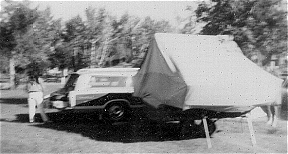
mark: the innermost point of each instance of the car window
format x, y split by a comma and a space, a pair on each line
70, 84
107, 81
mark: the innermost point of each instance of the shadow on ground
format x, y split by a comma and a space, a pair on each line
13, 101
138, 129
88, 125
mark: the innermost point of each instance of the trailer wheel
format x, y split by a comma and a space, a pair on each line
116, 111
196, 130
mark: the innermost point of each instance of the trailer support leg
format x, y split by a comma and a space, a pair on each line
252, 135
207, 133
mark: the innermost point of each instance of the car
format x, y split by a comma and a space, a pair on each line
52, 78
4, 81
283, 75
4, 85
108, 91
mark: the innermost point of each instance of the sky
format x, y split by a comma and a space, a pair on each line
157, 10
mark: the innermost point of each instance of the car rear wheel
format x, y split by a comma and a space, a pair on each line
117, 111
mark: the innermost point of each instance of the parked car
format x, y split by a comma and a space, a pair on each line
283, 75
52, 78
4, 82
4, 85
107, 90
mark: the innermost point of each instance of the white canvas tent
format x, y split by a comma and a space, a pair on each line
201, 71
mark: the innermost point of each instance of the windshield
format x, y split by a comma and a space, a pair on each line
70, 84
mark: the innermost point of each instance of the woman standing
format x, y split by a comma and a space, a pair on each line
35, 97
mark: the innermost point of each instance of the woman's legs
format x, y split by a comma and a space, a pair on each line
36, 98
32, 108
40, 106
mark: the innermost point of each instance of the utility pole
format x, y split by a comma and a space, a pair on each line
74, 59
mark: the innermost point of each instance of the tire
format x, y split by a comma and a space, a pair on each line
191, 129
116, 111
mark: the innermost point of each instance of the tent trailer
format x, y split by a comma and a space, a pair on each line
194, 77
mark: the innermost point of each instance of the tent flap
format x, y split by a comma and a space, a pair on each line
157, 84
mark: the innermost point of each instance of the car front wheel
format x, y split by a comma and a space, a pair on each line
116, 111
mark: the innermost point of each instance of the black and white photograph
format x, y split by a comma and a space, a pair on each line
198, 76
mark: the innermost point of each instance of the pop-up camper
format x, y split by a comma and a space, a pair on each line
205, 73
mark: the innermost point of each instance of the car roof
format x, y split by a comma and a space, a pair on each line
107, 71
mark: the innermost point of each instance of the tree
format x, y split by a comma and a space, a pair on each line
257, 26
75, 38
146, 29
35, 44
27, 36
187, 25
96, 21
143, 33
119, 40
271, 32
60, 57
17, 18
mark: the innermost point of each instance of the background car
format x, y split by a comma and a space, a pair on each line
4, 81
51, 78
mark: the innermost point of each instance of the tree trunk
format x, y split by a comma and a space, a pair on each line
267, 60
93, 55
129, 55
12, 72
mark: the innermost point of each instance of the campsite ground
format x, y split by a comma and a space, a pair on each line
82, 132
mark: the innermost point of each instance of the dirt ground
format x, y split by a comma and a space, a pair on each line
73, 132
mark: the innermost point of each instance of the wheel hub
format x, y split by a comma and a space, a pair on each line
116, 112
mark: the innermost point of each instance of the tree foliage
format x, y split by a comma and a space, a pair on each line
26, 34
258, 26
33, 38
17, 19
